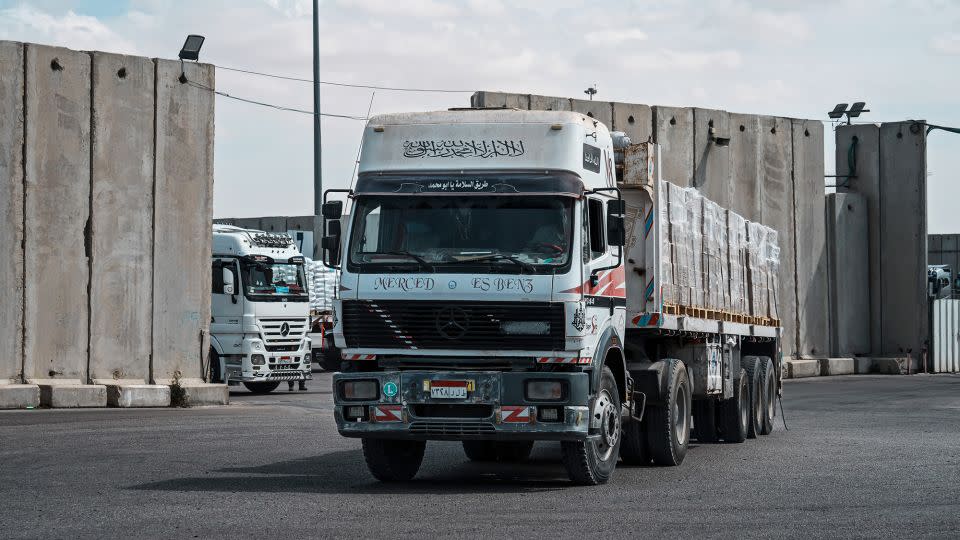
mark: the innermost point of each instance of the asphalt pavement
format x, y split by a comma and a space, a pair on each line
864, 456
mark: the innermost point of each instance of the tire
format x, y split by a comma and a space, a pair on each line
331, 358
261, 387
768, 387
392, 460
215, 371
669, 433
504, 452
592, 462
751, 364
633, 449
705, 421
735, 412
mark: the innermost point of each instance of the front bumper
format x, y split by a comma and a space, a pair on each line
495, 409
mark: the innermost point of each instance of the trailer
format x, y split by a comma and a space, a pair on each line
510, 276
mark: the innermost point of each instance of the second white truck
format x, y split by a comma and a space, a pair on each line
260, 310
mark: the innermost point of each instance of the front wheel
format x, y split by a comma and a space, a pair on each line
392, 460
592, 462
261, 387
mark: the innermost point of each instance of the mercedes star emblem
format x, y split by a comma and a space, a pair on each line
452, 322
284, 329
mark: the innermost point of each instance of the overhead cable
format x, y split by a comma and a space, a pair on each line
348, 85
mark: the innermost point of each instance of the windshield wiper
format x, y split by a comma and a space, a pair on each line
497, 257
420, 260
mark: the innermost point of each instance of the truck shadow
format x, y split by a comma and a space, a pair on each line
344, 472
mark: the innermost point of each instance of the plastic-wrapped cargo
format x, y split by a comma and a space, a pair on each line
322, 282
715, 256
772, 256
737, 257
695, 232
677, 292
757, 269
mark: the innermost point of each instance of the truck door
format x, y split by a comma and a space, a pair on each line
226, 307
607, 289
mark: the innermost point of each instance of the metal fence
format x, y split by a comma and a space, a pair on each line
945, 333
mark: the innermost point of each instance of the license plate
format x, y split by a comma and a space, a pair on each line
448, 389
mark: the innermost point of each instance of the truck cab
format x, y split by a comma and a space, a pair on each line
260, 310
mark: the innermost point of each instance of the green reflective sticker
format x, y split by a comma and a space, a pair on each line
389, 389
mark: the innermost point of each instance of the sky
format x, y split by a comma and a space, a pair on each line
774, 57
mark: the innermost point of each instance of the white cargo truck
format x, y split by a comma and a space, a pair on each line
514, 276
260, 312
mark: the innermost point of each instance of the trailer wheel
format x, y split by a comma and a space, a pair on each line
735, 412
592, 462
633, 449
768, 382
705, 421
751, 364
331, 358
261, 387
503, 451
392, 460
670, 422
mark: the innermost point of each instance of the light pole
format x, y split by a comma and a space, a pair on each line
317, 174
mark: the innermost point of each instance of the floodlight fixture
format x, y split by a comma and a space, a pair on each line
856, 109
838, 111
191, 47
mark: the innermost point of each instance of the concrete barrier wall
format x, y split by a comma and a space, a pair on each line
848, 273
890, 173
903, 229
121, 277
57, 212
184, 210
810, 234
771, 171
11, 212
97, 191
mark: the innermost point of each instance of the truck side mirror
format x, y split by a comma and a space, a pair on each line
229, 285
616, 208
616, 233
331, 243
332, 209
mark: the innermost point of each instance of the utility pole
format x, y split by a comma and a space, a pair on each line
317, 175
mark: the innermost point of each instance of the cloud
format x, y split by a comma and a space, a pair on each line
946, 44
674, 60
614, 37
69, 30
411, 8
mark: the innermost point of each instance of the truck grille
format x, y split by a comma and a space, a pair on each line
452, 428
280, 338
397, 324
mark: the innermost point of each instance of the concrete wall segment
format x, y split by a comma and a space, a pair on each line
810, 238
903, 232
121, 279
57, 195
673, 131
11, 212
777, 212
183, 213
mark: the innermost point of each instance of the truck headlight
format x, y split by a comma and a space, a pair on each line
363, 390
257, 360
545, 390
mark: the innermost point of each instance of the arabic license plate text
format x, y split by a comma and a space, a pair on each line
448, 389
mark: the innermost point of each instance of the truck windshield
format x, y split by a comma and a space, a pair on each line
273, 281
425, 233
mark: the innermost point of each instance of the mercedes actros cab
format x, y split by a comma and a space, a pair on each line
260, 312
499, 286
